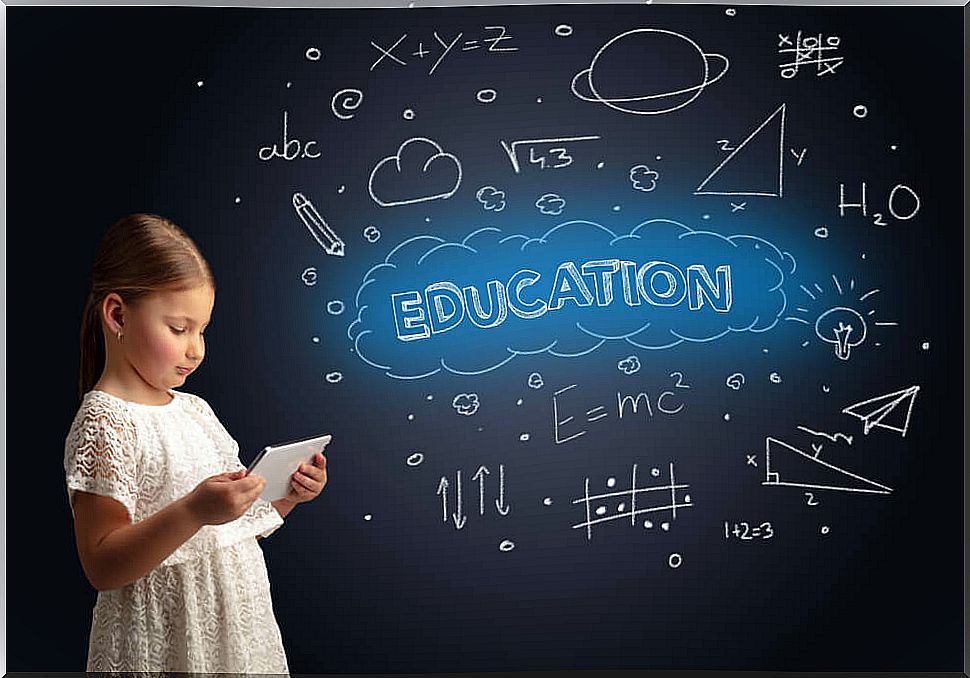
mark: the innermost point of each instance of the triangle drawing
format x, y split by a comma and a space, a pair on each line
876, 412
811, 472
752, 163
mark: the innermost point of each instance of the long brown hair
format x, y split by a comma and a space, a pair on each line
138, 255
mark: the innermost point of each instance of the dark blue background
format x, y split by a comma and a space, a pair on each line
105, 118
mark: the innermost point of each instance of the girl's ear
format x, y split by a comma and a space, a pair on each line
113, 313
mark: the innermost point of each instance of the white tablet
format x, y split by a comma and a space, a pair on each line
277, 463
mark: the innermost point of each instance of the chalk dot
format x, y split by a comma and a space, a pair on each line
313, 54
863, 255
926, 346
621, 508
519, 401
316, 340
730, 11
415, 459
538, 100
775, 378
825, 388
706, 216
727, 416
547, 501
481, 428
675, 560
238, 200
860, 111
289, 84
686, 498
334, 377
341, 189
659, 157
601, 511
486, 96
410, 417
647, 524
368, 517
506, 546
764, 350
427, 220
893, 147
198, 84
600, 165
429, 397
564, 30
665, 527
655, 472
524, 437
825, 529
408, 114
611, 482
804, 344
616, 208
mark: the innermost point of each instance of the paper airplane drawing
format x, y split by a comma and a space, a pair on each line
812, 472
876, 412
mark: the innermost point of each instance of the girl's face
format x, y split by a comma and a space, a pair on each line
163, 339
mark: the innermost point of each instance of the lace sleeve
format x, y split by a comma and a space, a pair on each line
99, 456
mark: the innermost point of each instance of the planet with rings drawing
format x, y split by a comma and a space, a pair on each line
648, 71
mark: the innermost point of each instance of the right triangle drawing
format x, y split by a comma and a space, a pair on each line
751, 167
811, 472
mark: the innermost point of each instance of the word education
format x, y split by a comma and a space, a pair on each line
444, 305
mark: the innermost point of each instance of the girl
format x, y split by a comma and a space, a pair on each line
165, 516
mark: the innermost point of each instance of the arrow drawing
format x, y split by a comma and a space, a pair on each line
443, 491
458, 517
480, 477
500, 502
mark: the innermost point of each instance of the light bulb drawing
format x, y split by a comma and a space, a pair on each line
843, 327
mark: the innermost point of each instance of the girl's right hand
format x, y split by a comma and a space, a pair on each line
221, 498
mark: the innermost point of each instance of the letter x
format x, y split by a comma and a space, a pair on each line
387, 52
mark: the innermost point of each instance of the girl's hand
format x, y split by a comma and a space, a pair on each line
308, 480
224, 497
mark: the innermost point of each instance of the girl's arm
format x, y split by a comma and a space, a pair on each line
115, 552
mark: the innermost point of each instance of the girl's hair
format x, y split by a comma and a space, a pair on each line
138, 255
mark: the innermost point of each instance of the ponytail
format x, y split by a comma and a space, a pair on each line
92, 346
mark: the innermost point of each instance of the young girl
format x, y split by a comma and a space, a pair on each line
165, 517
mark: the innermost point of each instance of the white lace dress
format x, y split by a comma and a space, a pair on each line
207, 607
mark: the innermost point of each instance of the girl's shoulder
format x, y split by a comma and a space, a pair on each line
102, 415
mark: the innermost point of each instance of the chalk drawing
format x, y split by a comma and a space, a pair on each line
640, 50
875, 412
319, 229
554, 157
668, 490
778, 186
391, 166
843, 480
344, 101
808, 51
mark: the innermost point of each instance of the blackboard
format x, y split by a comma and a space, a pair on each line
637, 327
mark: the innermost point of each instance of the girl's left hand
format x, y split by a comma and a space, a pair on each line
308, 480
